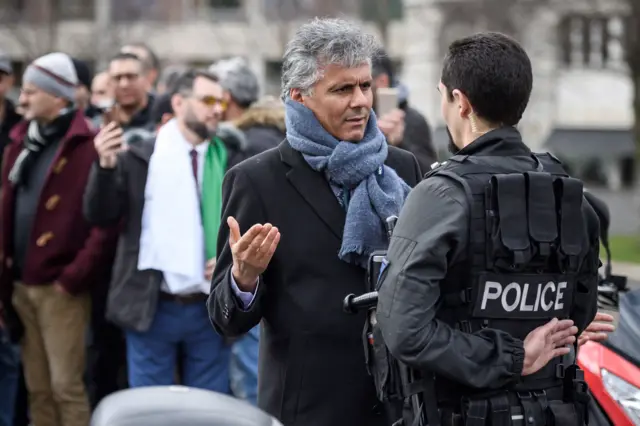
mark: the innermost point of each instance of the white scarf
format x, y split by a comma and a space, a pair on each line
172, 238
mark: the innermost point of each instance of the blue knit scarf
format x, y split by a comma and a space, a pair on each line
356, 172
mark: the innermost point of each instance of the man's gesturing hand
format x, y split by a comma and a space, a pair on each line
252, 252
547, 342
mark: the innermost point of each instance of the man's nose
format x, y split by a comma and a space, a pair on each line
218, 110
124, 83
359, 98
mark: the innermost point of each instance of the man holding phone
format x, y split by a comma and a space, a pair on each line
133, 104
391, 121
403, 126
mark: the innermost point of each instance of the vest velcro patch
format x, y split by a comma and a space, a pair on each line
523, 296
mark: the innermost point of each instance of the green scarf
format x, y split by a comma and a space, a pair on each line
215, 165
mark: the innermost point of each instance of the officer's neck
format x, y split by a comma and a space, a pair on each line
475, 129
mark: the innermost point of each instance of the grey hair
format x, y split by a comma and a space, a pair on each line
237, 77
323, 42
170, 74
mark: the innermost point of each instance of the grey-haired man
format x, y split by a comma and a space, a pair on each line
240, 84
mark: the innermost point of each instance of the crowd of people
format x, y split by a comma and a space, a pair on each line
112, 192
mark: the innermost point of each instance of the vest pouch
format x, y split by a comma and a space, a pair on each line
542, 217
560, 413
510, 248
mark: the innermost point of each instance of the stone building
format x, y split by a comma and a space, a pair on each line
581, 105
582, 101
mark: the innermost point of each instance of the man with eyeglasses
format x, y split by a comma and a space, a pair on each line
167, 195
132, 102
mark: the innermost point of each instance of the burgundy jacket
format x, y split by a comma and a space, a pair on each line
64, 248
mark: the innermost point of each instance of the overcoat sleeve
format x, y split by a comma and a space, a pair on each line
226, 310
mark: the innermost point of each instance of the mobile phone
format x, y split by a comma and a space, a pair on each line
386, 100
109, 112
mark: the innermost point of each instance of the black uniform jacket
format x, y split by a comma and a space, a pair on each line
432, 233
312, 367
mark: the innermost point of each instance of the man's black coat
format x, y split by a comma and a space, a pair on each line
312, 367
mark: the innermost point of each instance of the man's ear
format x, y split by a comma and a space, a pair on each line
464, 106
176, 102
296, 95
166, 117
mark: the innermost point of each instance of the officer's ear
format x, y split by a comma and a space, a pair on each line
464, 106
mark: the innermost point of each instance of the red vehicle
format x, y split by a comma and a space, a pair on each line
612, 368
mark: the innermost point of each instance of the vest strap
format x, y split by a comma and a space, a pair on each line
477, 412
500, 411
428, 402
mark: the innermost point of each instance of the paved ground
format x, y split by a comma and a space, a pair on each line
624, 207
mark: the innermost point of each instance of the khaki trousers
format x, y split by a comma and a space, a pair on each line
53, 354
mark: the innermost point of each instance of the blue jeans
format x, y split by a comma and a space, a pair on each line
244, 366
9, 374
152, 355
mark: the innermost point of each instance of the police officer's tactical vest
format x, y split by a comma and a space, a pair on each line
527, 240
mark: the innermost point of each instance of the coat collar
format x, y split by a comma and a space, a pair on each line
504, 141
314, 189
143, 149
79, 130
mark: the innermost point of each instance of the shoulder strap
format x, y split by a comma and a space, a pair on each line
550, 164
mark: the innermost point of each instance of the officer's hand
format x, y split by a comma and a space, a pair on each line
108, 143
597, 331
547, 342
252, 252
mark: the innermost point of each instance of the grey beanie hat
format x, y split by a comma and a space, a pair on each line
236, 77
54, 73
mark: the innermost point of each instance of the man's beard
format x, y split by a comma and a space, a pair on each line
451, 146
198, 127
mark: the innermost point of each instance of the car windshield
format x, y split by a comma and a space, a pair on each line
626, 339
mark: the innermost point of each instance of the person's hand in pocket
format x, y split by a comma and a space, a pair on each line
209, 267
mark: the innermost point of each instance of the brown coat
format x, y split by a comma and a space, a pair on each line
64, 248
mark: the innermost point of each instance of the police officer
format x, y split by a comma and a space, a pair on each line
493, 265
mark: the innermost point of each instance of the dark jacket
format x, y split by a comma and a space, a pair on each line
63, 246
431, 240
116, 196
312, 366
11, 118
417, 138
264, 128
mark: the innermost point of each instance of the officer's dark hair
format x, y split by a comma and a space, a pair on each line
494, 72
184, 83
382, 64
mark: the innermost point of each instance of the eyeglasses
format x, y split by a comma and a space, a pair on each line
213, 101
125, 76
